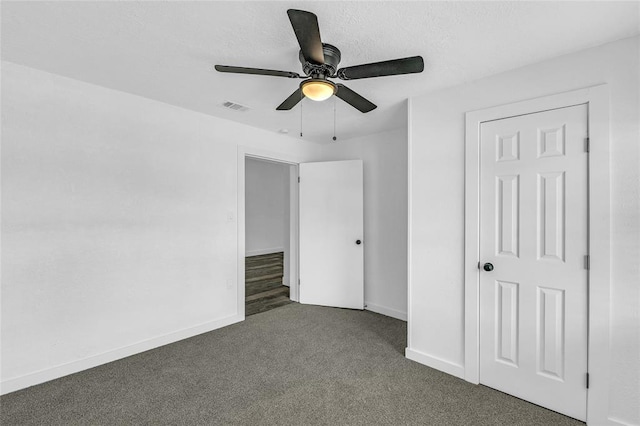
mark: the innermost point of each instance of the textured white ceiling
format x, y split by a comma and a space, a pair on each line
166, 50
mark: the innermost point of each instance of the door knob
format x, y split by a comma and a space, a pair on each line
358, 242
487, 267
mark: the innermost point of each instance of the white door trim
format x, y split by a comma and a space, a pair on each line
597, 99
250, 152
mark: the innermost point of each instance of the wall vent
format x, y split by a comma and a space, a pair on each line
234, 106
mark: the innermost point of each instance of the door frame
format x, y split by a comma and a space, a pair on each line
597, 100
245, 152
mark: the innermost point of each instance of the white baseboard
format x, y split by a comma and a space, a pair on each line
435, 362
393, 313
260, 252
31, 379
619, 422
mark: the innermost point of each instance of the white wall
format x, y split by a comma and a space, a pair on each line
119, 228
384, 157
436, 193
266, 206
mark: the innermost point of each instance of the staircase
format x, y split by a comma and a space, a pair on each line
263, 283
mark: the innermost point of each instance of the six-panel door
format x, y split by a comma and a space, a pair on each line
533, 229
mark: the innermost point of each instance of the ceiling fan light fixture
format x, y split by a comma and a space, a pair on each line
320, 61
318, 90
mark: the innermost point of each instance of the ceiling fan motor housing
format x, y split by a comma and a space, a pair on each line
331, 61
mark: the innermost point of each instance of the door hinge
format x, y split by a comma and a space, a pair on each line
587, 262
587, 380
298, 179
586, 144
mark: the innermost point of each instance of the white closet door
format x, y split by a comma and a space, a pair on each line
533, 232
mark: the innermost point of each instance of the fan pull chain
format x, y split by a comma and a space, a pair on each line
301, 99
334, 119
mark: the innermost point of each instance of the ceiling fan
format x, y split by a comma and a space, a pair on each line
320, 63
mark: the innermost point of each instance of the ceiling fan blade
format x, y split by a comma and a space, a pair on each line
305, 25
257, 71
410, 65
291, 101
353, 99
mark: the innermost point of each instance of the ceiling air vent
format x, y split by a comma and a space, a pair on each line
234, 106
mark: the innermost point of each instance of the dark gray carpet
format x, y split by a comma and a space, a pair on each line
295, 365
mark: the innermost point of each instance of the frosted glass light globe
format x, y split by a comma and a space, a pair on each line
318, 90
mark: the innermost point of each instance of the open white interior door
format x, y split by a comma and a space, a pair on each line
331, 231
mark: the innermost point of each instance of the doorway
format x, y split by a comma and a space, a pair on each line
267, 235
335, 188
